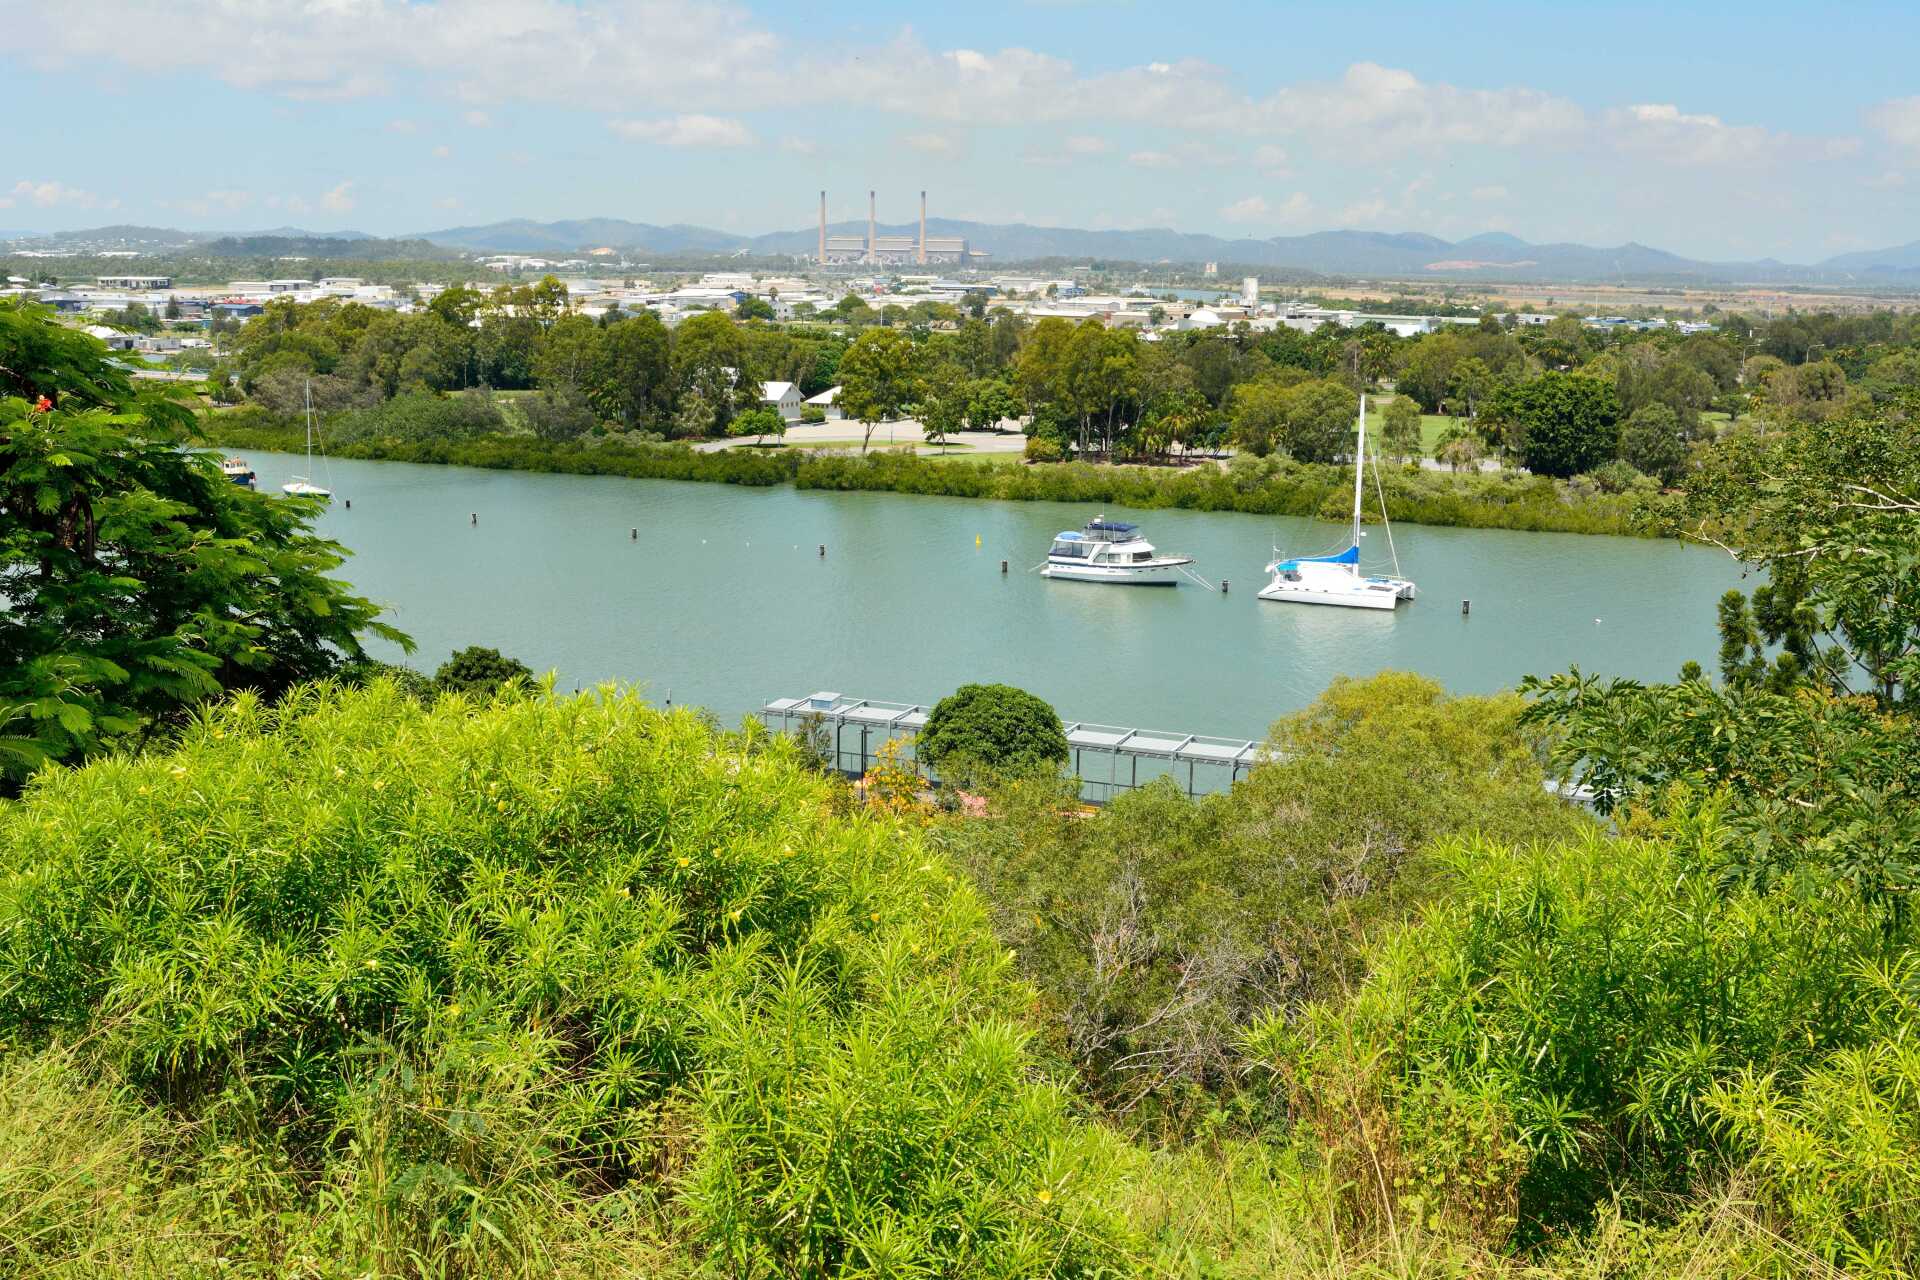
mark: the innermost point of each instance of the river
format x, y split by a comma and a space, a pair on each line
724, 600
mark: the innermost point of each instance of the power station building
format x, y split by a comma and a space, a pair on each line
874, 249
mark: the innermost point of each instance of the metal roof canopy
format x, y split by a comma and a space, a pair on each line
1116, 741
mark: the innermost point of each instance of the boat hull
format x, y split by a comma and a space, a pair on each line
1364, 595
1162, 574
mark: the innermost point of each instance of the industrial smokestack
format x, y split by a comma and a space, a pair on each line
923, 228
823, 228
873, 245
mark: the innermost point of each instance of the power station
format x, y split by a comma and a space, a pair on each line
874, 249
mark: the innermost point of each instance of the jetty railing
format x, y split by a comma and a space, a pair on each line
1211, 763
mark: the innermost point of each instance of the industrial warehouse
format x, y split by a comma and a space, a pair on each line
875, 249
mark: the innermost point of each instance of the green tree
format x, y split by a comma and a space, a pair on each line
1560, 424
140, 582
759, 422
989, 403
1400, 428
877, 379
1653, 440
709, 355
1317, 420
752, 308
994, 727
632, 376
479, 671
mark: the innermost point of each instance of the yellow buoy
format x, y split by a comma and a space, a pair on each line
976, 539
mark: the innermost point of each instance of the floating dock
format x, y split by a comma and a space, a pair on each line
1223, 759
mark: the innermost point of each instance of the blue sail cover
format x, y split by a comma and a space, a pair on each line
1112, 526
1350, 556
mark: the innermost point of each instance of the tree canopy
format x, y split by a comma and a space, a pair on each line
993, 726
140, 581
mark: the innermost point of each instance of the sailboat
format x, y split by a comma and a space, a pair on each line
1336, 579
303, 486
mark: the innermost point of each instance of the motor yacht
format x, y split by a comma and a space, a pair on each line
1111, 551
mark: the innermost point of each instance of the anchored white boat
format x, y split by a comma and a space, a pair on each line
1336, 579
303, 486
1111, 551
238, 472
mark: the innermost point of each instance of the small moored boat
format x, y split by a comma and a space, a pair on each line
237, 471
1336, 579
1111, 551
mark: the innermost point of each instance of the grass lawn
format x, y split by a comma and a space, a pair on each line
1431, 424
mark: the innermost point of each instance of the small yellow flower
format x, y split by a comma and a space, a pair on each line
685, 862
625, 892
454, 1010
373, 964
735, 914
875, 917
379, 784
338, 772
501, 805
1045, 1196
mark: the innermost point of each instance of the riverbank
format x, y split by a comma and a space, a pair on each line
1253, 487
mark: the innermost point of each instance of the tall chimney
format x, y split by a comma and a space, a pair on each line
923, 228
873, 245
823, 228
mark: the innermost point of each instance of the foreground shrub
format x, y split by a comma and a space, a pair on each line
1159, 928
466, 971
1569, 1025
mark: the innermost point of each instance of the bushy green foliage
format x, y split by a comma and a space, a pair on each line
1562, 1028
995, 727
138, 581
481, 976
479, 672
1501, 501
421, 416
1560, 424
1158, 928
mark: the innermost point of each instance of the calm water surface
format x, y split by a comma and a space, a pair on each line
725, 602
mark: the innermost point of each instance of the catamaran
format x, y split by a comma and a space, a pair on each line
1111, 551
1336, 579
303, 486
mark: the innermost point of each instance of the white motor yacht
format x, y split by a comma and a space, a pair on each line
1111, 551
1336, 579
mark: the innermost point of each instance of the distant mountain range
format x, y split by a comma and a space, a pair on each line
1408, 255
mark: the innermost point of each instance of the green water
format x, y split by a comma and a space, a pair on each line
724, 601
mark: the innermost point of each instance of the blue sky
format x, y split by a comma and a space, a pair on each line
1716, 131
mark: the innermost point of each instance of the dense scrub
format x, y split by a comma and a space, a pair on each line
1159, 929
354, 985
1258, 487
1599, 1025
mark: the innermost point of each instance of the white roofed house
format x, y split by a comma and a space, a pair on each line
782, 397
828, 401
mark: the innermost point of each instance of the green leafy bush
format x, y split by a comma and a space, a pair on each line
480, 974
992, 726
1562, 1029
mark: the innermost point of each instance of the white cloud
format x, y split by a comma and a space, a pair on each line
1153, 160
477, 119
51, 195
1383, 108
1251, 209
221, 200
402, 126
1370, 210
1898, 120
1085, 145
1886, 180
799, 146
932, 144
442, 152
1272, 160
339, 199
1493, 192
448, 202
686, 131
1664, 132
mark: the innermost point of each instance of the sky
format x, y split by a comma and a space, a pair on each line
1715, 131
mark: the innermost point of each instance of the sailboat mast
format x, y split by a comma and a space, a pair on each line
1359, 470
309, 406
